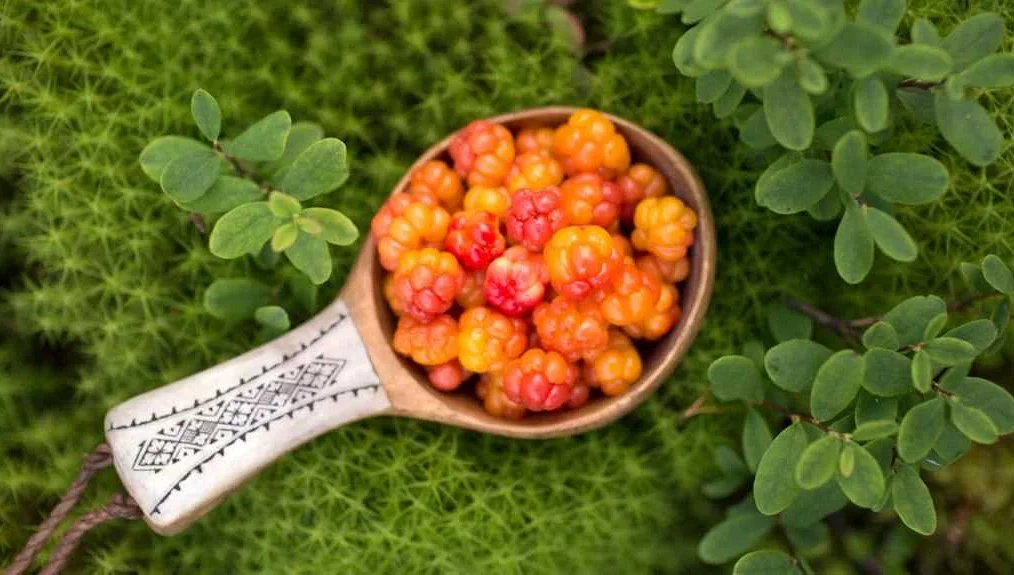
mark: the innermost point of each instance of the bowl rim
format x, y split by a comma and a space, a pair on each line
410, 393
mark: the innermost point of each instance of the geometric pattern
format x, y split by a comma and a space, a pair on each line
223, 419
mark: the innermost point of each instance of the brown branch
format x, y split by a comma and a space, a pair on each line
198, 221
918, 84
795, 417
846, 329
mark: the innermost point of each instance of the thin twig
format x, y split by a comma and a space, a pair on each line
695, 407
198, 221
795, 417
918, 84
844, 328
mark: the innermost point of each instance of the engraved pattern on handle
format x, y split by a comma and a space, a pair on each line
180, 448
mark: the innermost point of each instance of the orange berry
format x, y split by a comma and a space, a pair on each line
487, 340
540, 380
471, 294
616, 368
642, 181
632, 296
581, 259
427, 344
579, 395
667, 313
494, 399
408, 222
426, 283
589, 143
667, 271
534, 140
574, 329
588, 199
534, 170
446, 376
437, 178
665, 227
494, 200
475, 239
483, 153
623, 244
392, 300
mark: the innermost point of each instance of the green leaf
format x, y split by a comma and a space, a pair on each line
995, 71
1000, 319
881, 335
922, 371
812, 77
890, 236
935, 326
774, 487
924, 32
756, 62
734, 536
283, 205
756, 438
284, 237
225, 194
810, 539
319, 169
920, 429
161, 151
311, 256
853, 246
810, 21
735, 377
263, 141
860, 49
304, 292
912, 501
986, 396
817, 464
951, 445
786, 323
188, 177
974, 423
710, 87
310, 226
789, 113
698, 10
273, 317
766, 562
872, 430
871, 103
922, 62
726, 106
847, 462
337, 228
812, 506
831, 132
973, 275
848, 161
683, 53
301, 136
886, 14
827, 208
779, 18
836, 385
793, 365
235, 298
206, 113
980, 333
671, 6
865, 485
919, 103
871, 408
888, 373
974, 39
745, 7
911, 316
723, 486
754, 131
967, 126
909, 179
242, 230
997, 274
950, 350
795, 188
720, 34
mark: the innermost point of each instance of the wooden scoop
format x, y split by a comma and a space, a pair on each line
181, 448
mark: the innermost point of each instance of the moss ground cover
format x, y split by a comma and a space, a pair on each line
101, 277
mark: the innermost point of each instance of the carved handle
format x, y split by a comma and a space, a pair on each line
181, 448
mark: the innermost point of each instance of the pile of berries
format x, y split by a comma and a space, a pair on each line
534, 263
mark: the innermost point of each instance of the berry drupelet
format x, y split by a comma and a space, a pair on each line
516, 282
475, 239
534, 216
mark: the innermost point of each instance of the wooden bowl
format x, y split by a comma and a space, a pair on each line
412, 395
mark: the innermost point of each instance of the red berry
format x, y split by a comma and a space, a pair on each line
475, 239
575, 329
471, 292
483, 153
426, 283
446, 376
540, 380
578, 395
516, 282
534, 216
640, 182
494, 400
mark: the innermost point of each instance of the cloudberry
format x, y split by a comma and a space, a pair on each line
475, 239
640, 182
446, 376
579, 395
427, 344
494, 399
495, 200
437, 178
667, 313
408, 222
632, 296
483, 153
392, 300
487, 340
589, 143
534, 216
534, 170
667, 271
616, 368
426, 283
574, 329
534, 140
665, 227
623, 244
516, 282
581, 259
471, 291
588, 199
540, 380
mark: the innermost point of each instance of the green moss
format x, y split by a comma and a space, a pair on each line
100, 266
